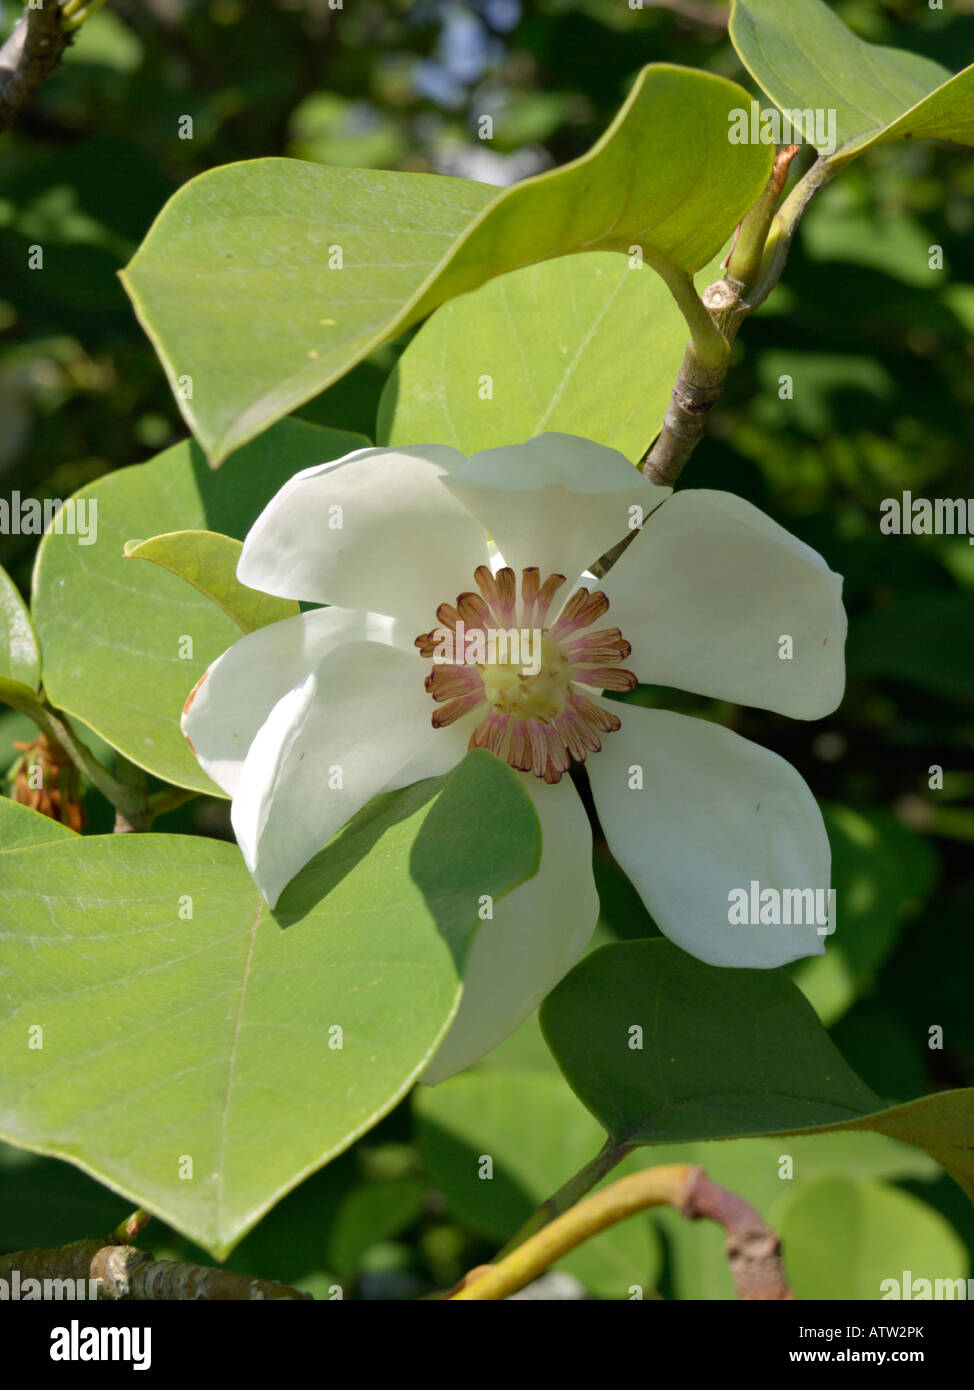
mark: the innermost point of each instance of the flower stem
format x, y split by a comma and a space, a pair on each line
126, 798
667, 1185
135, 809
753, 1249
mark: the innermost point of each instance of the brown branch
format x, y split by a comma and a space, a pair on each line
130, 1274
691, 401
753, 1250
33, 49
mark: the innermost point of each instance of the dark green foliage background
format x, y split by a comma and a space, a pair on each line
880, 351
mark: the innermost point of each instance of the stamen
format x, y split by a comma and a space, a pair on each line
473, 611
520, 751
594, 715
581, 610
548, 590
445, 682
450, 713
593, 648
491, 732
506, 581
537, 718
530, 584
609, 677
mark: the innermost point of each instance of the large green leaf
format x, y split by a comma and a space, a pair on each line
550, 338
113, 632
20, 665
209, 1037
724, 1053
20, 827
844, 1238
805, 58
237, 285
208, 561
537, 1136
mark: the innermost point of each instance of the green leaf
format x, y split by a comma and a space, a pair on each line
21, 827
233, 282
914, 641
20, 662
551, 338
805, 58
115, 634
845, 1238
185, 1023
208, 561
942, 1124
536, 1136
724, 1053
371, 1212
881, 872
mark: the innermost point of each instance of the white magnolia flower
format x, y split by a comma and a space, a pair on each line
397, 542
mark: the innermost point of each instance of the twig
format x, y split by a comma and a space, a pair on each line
132, 816
753, 1249
127, 1273
128, 800
75, 12
128, 1230
135, 809
753, 269
33, 49
744, 261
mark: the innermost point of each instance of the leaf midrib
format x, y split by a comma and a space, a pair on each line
232, 1064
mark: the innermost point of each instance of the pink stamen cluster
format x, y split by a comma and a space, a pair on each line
537, 723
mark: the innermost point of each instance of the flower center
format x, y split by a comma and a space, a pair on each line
497, 653
513, 689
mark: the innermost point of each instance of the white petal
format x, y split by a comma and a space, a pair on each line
714, 813
359, 717
558, 502
536, 935
374, 530
238, 692
707, 593
440, 755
